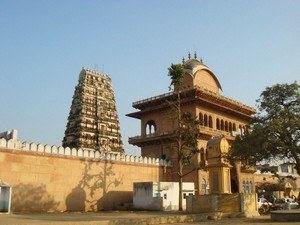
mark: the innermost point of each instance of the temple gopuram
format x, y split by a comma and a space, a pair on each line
219, 116
93, 121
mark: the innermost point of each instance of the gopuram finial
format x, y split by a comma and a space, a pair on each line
189, 55
195, 55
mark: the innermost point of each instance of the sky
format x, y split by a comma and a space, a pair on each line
249, 45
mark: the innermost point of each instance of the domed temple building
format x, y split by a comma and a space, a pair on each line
219, 116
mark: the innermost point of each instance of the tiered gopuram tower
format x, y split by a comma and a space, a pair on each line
93, 120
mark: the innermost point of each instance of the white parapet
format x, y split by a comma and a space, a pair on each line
47, 149
3, 142
74, 152
40, 148
14, 144
33, 147
25, 146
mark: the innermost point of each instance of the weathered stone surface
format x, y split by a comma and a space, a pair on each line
93, 122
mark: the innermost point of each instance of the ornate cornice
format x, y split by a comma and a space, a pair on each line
195, 94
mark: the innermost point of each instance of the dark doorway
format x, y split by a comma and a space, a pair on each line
234, 187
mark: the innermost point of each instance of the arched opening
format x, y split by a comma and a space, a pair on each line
226, 126
230, 127
234, 186
222, 124
247, 187
241, 130
218, 124
234, 127
204, 187
205, 120
201, 119
250, 187
202, 155
150, 127
210, 121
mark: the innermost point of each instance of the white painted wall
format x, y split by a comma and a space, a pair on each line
160, 195
143, 195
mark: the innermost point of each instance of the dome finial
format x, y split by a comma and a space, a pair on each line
189, 55
183, 60
195, 55
201, 60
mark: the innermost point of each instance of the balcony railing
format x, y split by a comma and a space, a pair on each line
150, 136
202, 129
214, 132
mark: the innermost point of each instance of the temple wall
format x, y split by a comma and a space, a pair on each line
50, 179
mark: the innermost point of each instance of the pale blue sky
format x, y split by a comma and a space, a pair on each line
43, 45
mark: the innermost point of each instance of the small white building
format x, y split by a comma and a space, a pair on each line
160, 195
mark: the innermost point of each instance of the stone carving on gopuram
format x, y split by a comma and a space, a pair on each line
93, 121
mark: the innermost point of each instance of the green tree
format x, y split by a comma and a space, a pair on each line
186, 142
275, 130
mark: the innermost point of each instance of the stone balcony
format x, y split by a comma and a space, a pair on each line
167, 136
151, 138
214, 132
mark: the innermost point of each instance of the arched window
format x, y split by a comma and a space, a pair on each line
247, 187
226, 126
150, 127
234, 127
241, 130
244, 187
222, 124
205, 187
201, 119
218, 124
210, 121
205, 120
250, 187
230, 127
202, 155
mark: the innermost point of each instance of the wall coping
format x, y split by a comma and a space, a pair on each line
32, 147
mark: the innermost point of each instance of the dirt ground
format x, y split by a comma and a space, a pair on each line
264, 219
107, 217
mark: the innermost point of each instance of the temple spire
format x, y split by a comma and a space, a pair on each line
90, 126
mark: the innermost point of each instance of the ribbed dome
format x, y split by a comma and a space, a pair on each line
192, 63
192, 66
